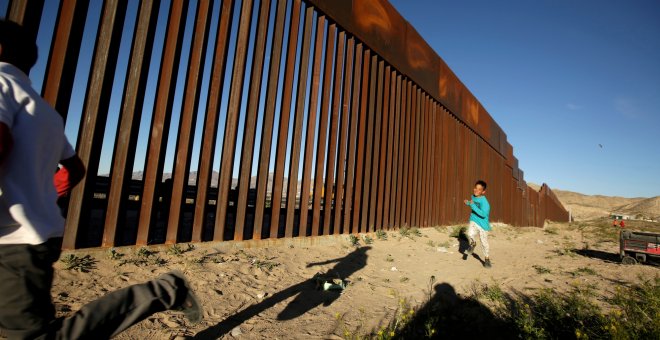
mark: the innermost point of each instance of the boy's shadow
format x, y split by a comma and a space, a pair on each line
478, 258
464, 245
307, 296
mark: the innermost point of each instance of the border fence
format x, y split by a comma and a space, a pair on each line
251, 119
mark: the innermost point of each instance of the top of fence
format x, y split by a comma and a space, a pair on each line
380, 26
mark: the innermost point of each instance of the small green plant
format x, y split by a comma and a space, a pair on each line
494, 293
444, 244
403, 317
82, 264
565, 251
214, 259
197, 260
210, 258
354, 240
430, 288
404, 232
583, 271
144, 257
431, 244
414, 231
551, 231
429, 330
367, 239
381, 235
113, 254
541, 269
389, 258
143, 252
156, 261
586, 270
177, 250
264, 264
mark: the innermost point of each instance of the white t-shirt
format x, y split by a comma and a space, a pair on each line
28, 210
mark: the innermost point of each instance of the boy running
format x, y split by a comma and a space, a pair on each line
479, 220
32, 145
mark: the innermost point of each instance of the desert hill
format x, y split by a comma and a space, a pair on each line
649, 207
584, 207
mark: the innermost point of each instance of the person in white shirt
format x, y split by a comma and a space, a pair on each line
32, 146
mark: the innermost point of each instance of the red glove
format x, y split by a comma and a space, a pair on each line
62, 183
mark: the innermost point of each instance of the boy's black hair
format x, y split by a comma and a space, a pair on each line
482, 183
19, 46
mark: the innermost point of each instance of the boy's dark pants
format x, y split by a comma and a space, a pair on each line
27, 311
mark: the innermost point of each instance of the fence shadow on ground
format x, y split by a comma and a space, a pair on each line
307, 296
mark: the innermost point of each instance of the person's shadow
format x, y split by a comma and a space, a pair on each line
453, 317
464, 245
307, 295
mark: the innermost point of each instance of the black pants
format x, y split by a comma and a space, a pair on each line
27, 311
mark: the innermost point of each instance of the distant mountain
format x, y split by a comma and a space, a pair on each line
592, 206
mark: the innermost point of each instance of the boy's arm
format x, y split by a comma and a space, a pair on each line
483, 211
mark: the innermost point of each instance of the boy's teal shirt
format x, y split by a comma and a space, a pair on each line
480, 211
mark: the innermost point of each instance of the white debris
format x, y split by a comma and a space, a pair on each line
236, 331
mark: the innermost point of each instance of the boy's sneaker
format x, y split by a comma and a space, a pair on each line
190, 307
487, 263
470, 250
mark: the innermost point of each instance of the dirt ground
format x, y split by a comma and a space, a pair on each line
256, 293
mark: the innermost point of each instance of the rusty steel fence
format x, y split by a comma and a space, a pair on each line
231, 120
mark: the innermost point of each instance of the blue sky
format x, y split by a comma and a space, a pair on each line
561, 77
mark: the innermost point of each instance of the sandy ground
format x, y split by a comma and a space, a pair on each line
271, 292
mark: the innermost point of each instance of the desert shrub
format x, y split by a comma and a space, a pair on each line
637, 311
82, 264
354, 240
